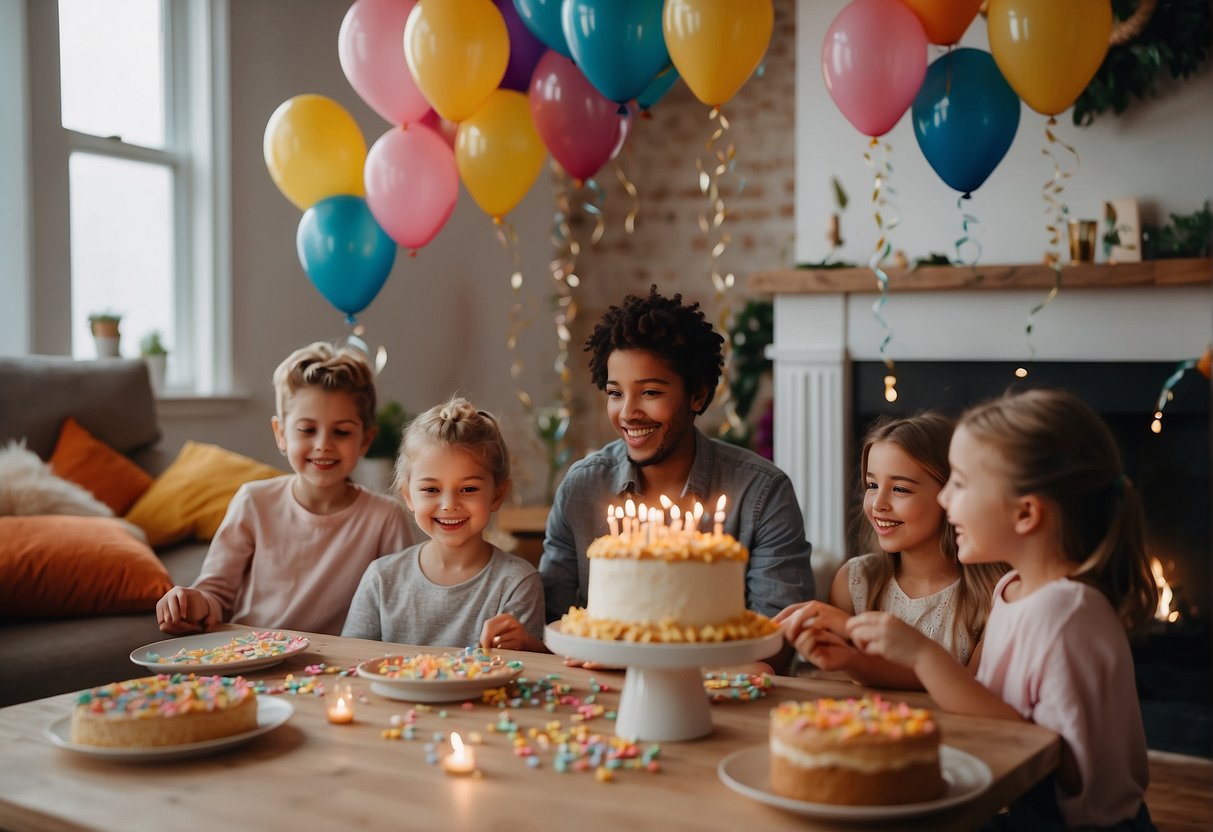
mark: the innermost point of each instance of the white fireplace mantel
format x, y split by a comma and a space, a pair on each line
1154, 311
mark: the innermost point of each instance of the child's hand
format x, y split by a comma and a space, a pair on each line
504, 632
826, 650
811, 615
183, 610
880, 634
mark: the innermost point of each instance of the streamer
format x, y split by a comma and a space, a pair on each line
885, 214
507, 235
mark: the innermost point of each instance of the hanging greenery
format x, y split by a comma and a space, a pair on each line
1186, 235
1175, 39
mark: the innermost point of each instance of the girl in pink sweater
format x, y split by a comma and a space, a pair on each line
1037, 481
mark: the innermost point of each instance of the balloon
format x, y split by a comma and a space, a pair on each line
411, 184
457, 51
1049, 51
542, 17
717, 44
658, 87
874, 59
944, 21
444, 128
965, 117
498, 152
313, 150
577, 124
344, 252
617, 46
525, 49
370, 47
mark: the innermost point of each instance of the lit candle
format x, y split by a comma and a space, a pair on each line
719, 518
675, 518
612, 522
340, 710
698, 510
629, 525
461, 760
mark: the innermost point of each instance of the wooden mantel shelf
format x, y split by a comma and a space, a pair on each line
1179, 272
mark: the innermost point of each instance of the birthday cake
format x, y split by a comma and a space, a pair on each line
857, 752
673, 586
164, 710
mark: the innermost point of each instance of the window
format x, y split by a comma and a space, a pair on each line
143, 109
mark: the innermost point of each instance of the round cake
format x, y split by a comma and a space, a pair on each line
680, 586
856, 752
164, 710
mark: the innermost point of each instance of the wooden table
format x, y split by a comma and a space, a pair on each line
309, 774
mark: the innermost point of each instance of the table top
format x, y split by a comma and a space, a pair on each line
309, 773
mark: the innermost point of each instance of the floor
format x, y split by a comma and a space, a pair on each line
1180, 796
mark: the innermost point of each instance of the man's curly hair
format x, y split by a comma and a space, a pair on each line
677, 333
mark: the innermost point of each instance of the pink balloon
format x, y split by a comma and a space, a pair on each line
874, 59
447, 129
411, 184
576, 122
370, 47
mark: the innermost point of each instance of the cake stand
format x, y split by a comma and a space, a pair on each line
663, 698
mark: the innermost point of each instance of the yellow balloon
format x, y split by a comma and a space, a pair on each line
717, 44
457, 51
314, 149
1049, 50
499, 153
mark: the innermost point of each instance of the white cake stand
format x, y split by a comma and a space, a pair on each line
663, 697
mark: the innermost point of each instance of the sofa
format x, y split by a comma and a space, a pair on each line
112, 399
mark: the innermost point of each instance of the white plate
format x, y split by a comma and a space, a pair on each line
207, 641
271, 713
749, 772
433, 690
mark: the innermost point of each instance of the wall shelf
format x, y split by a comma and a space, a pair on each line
1177, 272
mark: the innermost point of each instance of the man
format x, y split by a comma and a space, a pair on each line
659, 361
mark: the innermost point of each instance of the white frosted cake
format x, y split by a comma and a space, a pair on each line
680, 587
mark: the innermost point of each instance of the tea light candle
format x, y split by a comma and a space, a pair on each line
461, 760
340, 711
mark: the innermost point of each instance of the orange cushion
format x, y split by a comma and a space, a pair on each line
67, 565
113, 479
191, 496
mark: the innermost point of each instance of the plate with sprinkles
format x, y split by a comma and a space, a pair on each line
439, 677
220, 652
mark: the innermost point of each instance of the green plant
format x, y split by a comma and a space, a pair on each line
105, 318
1175, 40
150, 344
551, 425
753, 330
390, 422
1187, 235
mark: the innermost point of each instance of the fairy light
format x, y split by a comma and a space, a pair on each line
1021, 372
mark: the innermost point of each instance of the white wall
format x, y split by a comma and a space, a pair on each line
1158, 151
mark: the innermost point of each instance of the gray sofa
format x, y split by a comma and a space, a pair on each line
112, 399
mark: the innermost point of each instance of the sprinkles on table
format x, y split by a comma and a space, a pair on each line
469, 663
737, 687
250, 645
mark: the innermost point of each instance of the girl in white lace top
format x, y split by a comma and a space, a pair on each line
914, 574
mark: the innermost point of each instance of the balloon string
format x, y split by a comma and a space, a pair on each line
563, 267
629, 222
970, 231
721, 153
1165, 395
594, 206
355, 339
886, 217
507, 235
1056, 211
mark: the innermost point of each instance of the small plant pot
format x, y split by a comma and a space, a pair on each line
157, 365
106, 346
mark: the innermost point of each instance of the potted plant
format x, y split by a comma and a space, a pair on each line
156, 357
104, 327
376, 468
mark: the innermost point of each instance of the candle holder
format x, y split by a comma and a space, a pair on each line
339, 707
1082, 241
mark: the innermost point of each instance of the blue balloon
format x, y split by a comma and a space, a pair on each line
345, 252
619, 47
658, 87
542, 17
965, 117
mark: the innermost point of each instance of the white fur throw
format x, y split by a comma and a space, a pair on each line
28, 486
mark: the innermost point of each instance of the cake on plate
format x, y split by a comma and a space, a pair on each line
857, 752
675, 586
164, 710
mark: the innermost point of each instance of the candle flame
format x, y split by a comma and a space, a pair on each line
1163, 611
457, 745
630, 508
675, 514
666, 502
720, 503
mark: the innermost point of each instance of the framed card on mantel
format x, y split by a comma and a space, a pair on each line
1121, 232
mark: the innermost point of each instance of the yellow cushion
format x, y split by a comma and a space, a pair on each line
113, 479
191, 496
68, 565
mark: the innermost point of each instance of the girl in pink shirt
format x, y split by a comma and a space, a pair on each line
291, 550
1037, 481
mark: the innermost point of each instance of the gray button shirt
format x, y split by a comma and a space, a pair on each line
761, 512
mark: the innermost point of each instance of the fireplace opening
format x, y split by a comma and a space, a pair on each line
1171, 470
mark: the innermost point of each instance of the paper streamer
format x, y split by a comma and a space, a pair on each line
355, 339
971, 229
507, 235
1165, 395
885, 214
